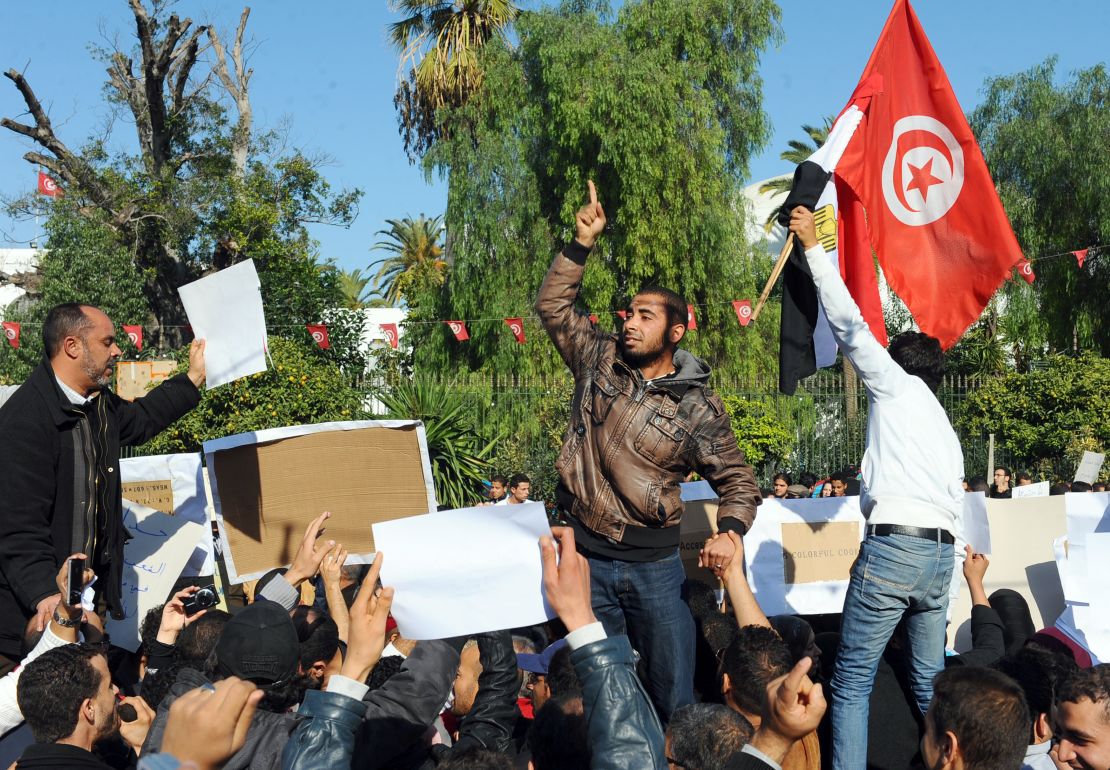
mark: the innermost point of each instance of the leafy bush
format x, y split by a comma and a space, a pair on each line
763, 437
459, 458
299, 388
1047, 415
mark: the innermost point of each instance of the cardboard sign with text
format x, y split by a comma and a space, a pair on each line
174, 485
268, 485
157, 552
135, 378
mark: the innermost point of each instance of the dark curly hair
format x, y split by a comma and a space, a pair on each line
920, 355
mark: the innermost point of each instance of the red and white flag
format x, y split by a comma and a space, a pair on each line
593, 318
517, 327
47, 186
934, 218
623, 314
1081, 256
319, 334
135, 334
11, 331
691, 318
391, 334
743, 308
1025, 270
458, 328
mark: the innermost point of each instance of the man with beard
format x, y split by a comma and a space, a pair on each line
60, 491
641, 420
68, 699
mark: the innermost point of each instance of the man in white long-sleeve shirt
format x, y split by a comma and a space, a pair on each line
912, 495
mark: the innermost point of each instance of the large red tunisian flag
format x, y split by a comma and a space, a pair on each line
935, 220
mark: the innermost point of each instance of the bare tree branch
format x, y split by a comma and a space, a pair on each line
238, 88
65, 164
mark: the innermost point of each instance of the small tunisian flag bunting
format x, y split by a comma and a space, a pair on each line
47, 186
517, 327
691, 318
319, 334
935, 220
390, 332
743, 308
1025, 270
623, 314
11, 331
1081, 256
458, 328
135, 334
593, 318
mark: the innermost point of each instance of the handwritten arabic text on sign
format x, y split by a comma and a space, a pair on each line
159, 547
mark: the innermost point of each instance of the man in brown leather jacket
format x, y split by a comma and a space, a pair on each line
641, 420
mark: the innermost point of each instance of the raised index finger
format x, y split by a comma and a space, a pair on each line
796, 679
593, 192
313, 530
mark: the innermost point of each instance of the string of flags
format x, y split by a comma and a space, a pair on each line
743, 308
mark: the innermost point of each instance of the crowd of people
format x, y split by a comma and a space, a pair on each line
641, 667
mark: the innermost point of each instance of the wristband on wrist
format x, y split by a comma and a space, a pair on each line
66, 622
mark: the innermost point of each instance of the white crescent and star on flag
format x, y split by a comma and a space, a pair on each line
923, 173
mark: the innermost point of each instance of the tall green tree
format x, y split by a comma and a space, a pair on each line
415, 264
1046, 144
440, 45
660, 106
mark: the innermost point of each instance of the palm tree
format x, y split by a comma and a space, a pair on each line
439, 44
799, 151
415, 262
355, 288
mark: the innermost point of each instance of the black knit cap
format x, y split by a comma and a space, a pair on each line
259, 644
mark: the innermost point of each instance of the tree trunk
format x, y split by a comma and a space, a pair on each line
851, 391
236, 79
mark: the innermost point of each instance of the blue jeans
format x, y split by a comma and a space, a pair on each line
644, 600
894, 576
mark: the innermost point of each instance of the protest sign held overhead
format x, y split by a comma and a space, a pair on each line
225, 310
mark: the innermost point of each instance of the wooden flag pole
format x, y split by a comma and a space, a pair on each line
779, 266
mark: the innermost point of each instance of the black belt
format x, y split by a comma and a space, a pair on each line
936, 535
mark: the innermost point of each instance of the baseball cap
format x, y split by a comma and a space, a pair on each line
801, 490
259, 644
537, 663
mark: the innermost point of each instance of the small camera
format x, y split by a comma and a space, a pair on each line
204, 598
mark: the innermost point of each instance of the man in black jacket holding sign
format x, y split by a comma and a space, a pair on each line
60, 491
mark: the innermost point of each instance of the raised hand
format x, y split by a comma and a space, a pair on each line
197, 370
792, 708
801, 224
566, 579
306, 562
590, 220
367, 625
174, 618
209, 724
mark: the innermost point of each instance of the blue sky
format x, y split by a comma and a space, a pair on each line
325, 71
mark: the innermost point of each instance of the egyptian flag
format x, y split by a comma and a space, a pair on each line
806, 342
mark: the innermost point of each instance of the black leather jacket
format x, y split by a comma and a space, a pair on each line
623, 729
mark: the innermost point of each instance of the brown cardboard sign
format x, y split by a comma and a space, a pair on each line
267, 491
813, 552
153, 494
134, 378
